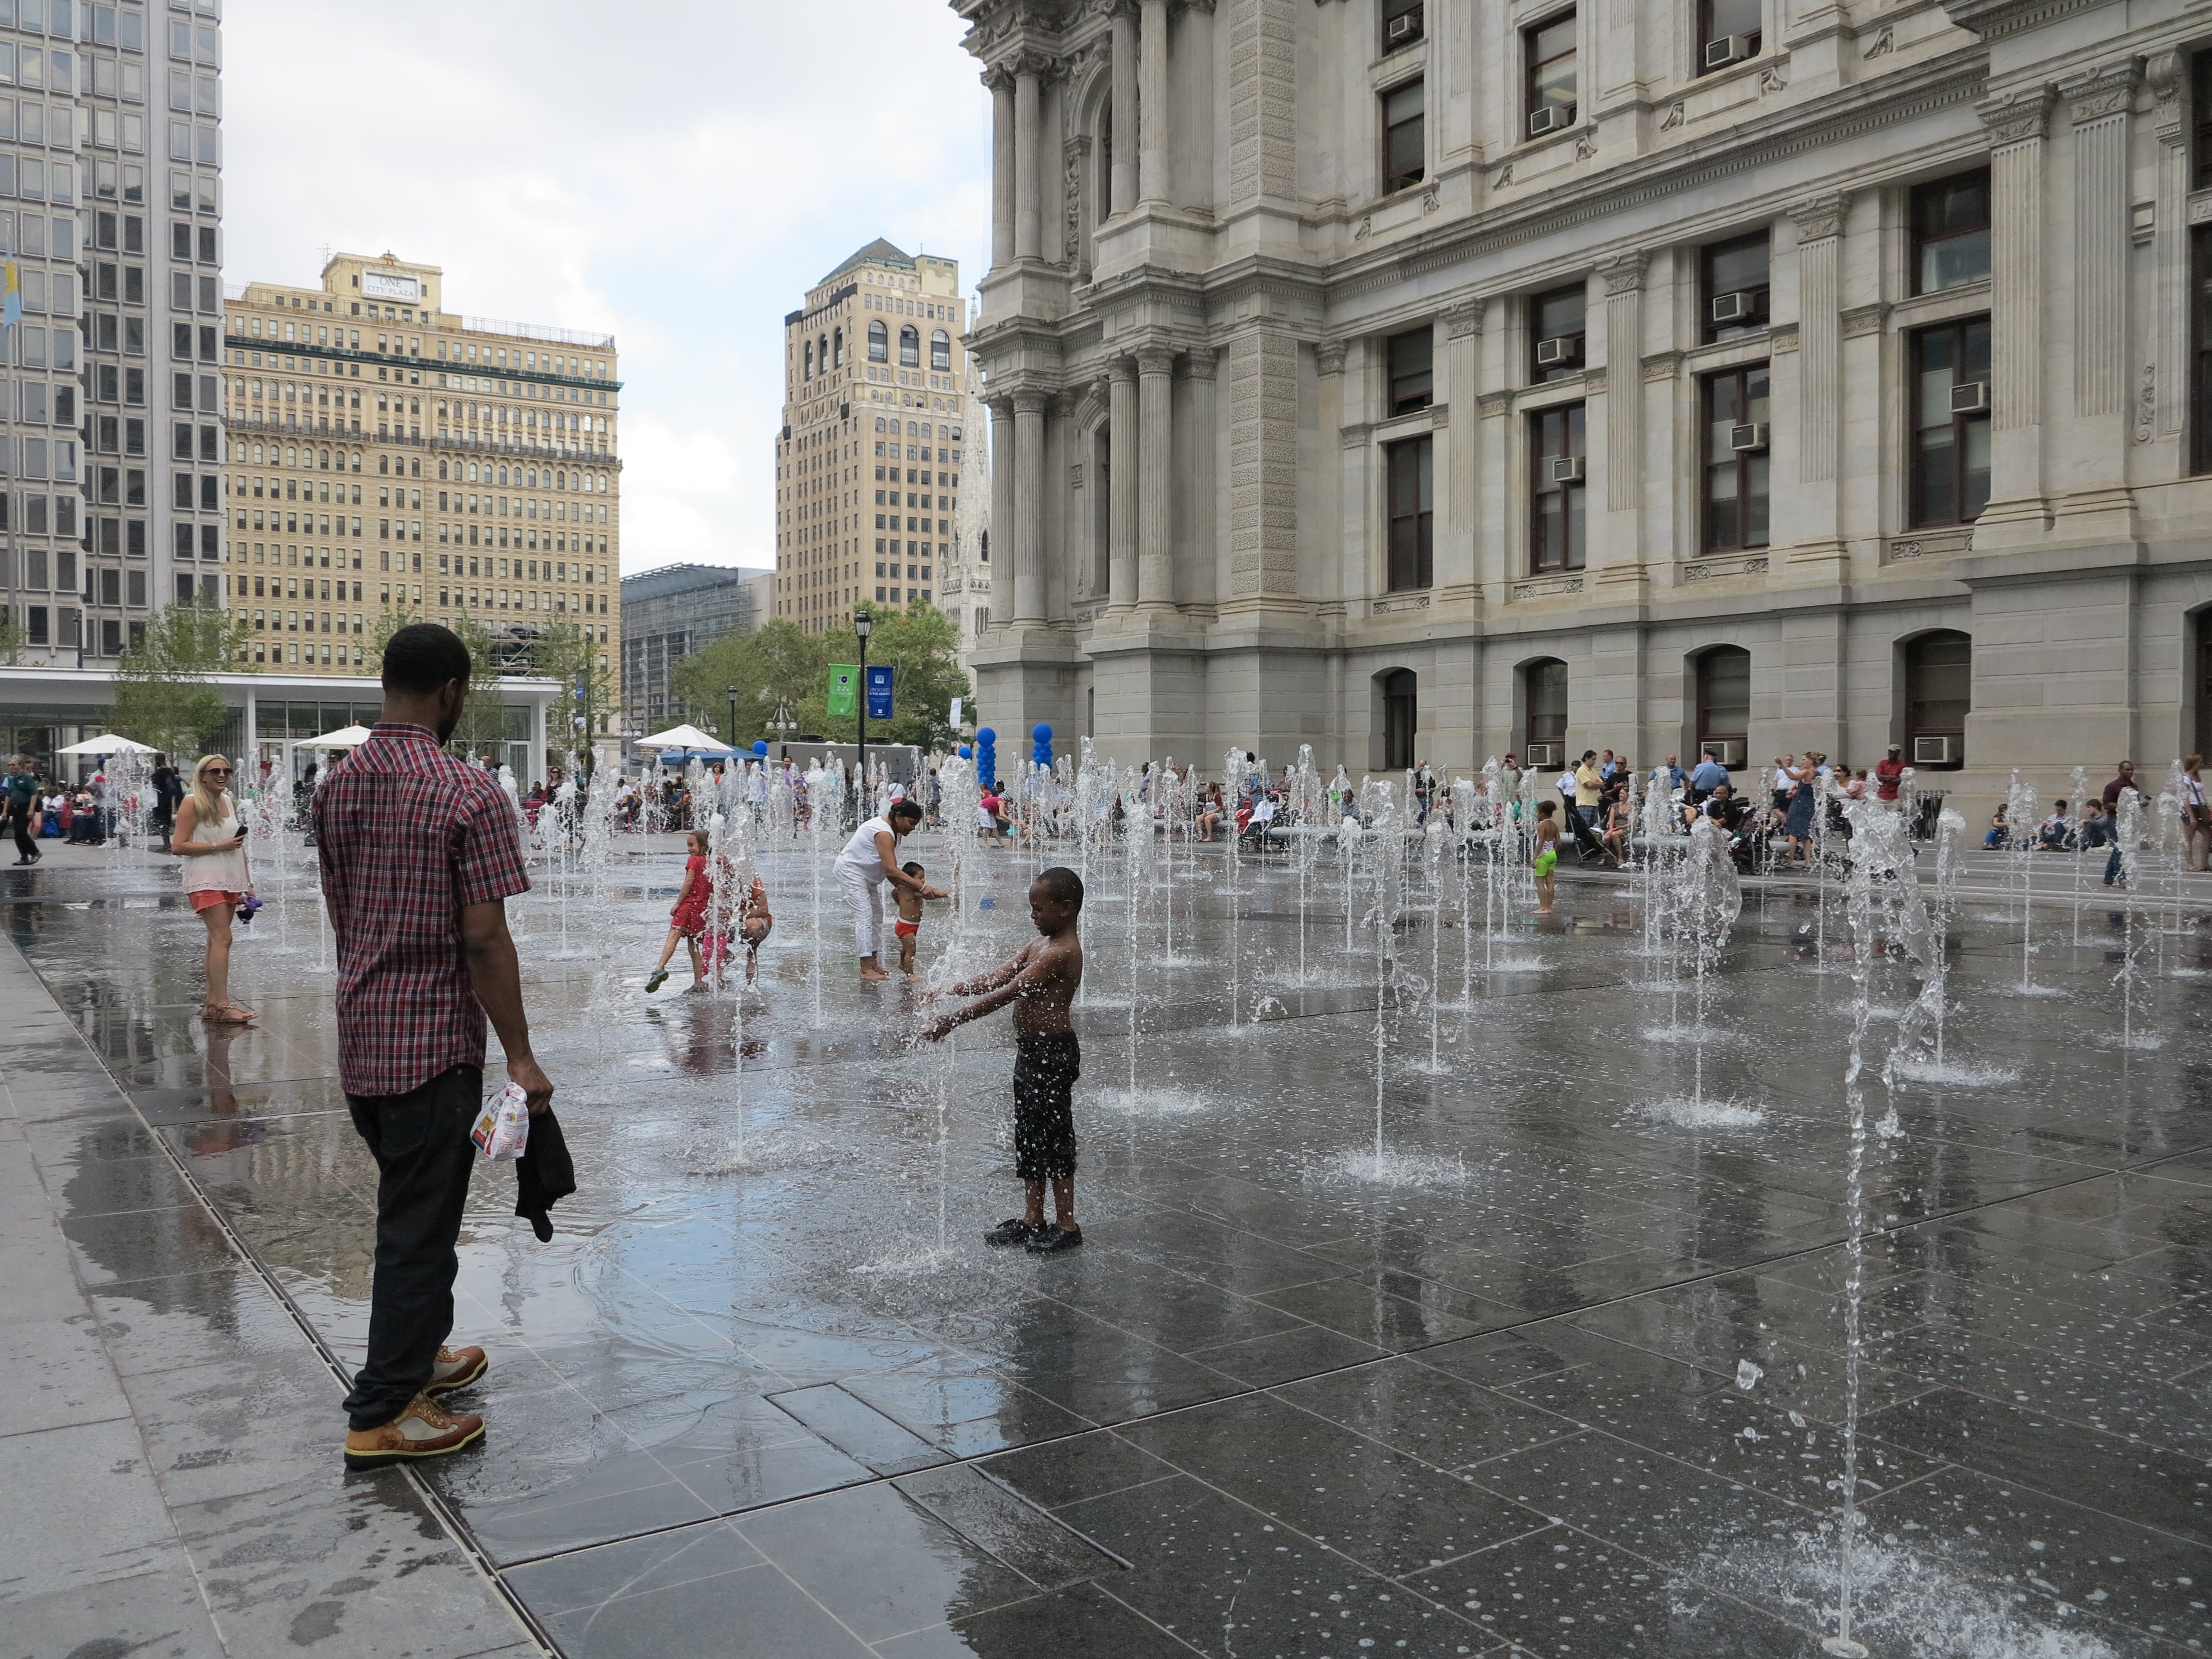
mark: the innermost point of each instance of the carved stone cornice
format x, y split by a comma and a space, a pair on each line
998, 77
1155, 358
1782, 339
1818, 219
1356, 435
1625, 273
1199, 363
1488, 405
1661, 366
1329, 357
1439, 416
2015, 117
2095, 94
1123, 369
1032, 402
1864, 319
1461, 321
1593, 381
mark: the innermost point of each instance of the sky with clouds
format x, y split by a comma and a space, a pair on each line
677, 172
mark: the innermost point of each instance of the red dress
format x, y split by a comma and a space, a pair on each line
689, 915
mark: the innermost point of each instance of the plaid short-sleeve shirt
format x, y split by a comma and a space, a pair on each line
408, 836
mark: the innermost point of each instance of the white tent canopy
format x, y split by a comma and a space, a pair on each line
346, 737
685, 737
106, 746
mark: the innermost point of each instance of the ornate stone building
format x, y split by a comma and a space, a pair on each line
1428, 379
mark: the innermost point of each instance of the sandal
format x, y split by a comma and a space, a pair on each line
224, 1013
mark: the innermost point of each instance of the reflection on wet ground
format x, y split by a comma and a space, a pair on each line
1568, 1379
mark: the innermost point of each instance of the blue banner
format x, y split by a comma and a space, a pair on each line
879, 691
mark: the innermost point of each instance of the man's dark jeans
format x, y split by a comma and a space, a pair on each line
19, 821
423, 1158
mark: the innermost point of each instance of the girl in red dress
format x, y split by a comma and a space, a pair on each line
688, 921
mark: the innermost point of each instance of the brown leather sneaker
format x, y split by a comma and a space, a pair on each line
421, 1431
456, 1369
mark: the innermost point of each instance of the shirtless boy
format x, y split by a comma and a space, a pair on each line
908, 926
1039, 983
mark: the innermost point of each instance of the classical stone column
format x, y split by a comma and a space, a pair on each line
1199, 507
2018, 123
2162, 397
1001, 83
1152, 102
1002, 496
1122, 181
1156, 484
1121, 499
1820, 337
1462, 370
1028, 234
1623, 402
1028, 508
2099, 103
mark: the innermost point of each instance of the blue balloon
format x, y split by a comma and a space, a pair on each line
964, 754
986, 736
760, 747
1042, 732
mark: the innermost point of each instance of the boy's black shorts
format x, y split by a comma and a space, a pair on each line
1045, 1070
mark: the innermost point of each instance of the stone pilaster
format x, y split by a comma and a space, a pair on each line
1819, 338
1002, 491
2019, 126
1461, 381
1028, 508
1199, 511
1152, 101
2162, 397
1029, 231
1121, 507
1156, 452
1262, 103
1263, 460
2097, 501
1122, 179
1624, 410
1000, 80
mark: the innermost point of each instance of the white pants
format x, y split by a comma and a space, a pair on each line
866, 899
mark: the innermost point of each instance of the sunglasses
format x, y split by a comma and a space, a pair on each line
217, 772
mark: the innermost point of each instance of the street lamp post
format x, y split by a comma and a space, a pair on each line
733, 738
862, 625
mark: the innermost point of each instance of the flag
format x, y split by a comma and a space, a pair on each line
879, 691
956, 703
842, 677
12, 296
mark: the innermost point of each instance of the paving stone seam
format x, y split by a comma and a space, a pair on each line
432, 1499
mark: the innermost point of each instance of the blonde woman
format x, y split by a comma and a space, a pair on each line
210, 840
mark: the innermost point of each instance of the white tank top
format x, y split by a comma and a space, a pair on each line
216, 872
860, 856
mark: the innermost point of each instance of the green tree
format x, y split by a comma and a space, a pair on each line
394, 618
12, 641
164, 693
483, 725
922, 646
778, 665
565, 651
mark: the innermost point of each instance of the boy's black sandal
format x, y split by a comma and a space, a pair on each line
1050, 1240
1013, 1230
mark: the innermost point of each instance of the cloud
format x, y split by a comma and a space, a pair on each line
674, 171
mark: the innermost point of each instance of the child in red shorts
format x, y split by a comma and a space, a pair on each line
688, 921
908, 926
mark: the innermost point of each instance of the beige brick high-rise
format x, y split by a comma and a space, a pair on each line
868, 462
387, 453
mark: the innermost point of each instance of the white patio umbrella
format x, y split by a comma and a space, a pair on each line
107, 745
346, 737
685, 737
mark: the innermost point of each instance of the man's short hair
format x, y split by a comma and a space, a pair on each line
1062, 883
423, 658
904, 809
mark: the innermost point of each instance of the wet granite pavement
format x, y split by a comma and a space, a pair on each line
1568, 1379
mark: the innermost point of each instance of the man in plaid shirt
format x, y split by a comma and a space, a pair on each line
419, 852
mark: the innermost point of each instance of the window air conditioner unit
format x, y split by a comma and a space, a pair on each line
1729, 49
1550, 118
1542, 754
1739, 307
1748, 435
1729, 751
1971, 397
1560, 351
1565, 469
1406, 27
1935, 752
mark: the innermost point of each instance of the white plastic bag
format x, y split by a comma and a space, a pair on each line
503, 1130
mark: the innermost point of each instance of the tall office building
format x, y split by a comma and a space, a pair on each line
667, 615
113, 446
388, 454
965, 578
868, 464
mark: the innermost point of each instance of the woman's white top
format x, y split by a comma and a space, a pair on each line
860, 856
216, 872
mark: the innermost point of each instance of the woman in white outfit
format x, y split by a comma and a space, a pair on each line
870, 859
212, 843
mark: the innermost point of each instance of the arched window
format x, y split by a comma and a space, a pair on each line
879, 342
822, 354
1724, 703
1400, 694
837, 348
879, 423
1939, 694
806, 371
909, 346
941, 349
1543, 738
